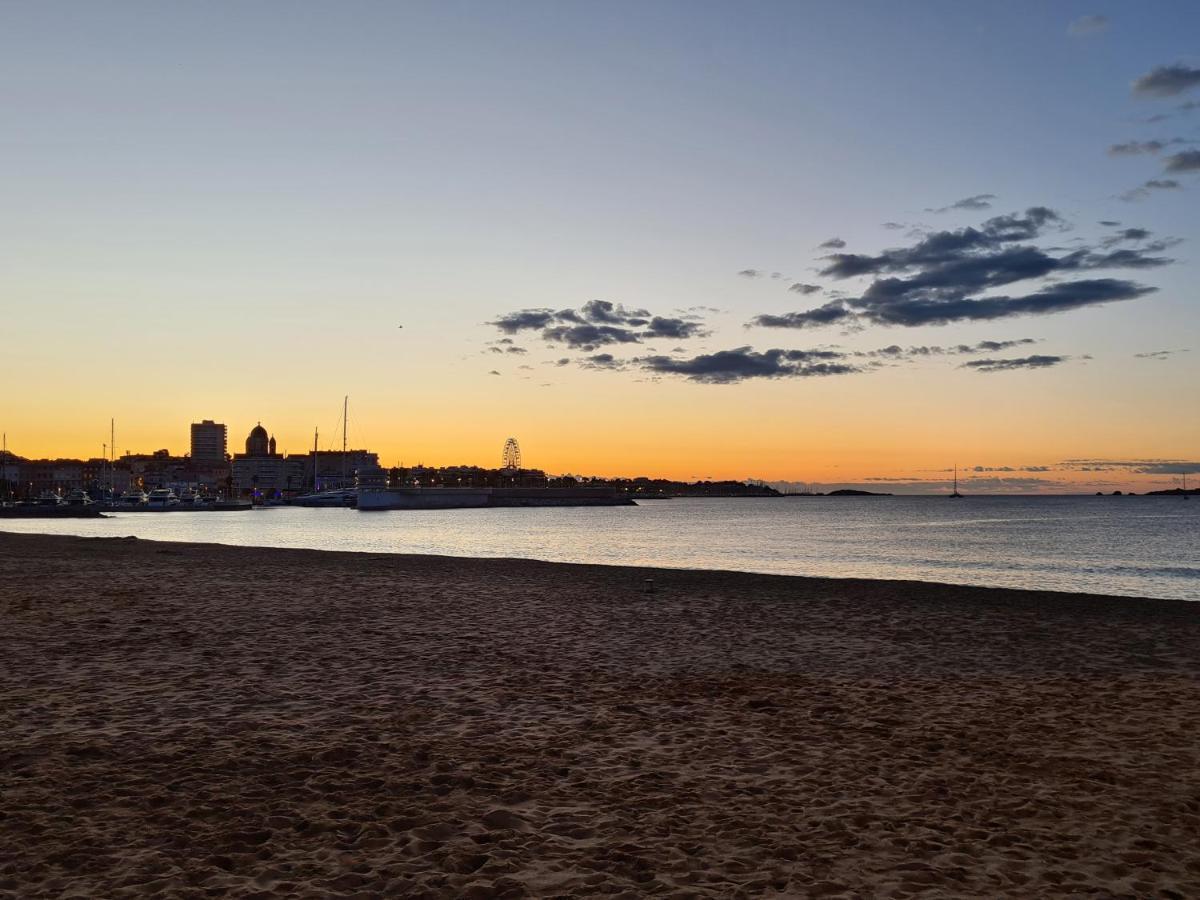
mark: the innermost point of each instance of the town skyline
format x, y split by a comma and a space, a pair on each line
1080, 475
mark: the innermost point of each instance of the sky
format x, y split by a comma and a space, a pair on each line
825, 242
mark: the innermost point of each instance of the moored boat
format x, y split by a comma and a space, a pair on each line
162, 498
132, 499
347, 497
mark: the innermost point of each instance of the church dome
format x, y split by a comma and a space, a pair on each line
256, 443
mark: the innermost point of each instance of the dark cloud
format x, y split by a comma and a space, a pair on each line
1183, 467
1167, 81
993, 346
975, 203
1086, 25
608, 313
834, 243
742, 363
944, 247
894, 226
663, 327
1052, 299
1159, 354
829, 314
1008, 469
1133, 234
588, 336
1109, 223
801, 288
943, 276
596, 324
1008, 365
601, 361
1124, 259
896, 352
493, 372
976, 484
523, 319
1187, 161
1138, 466
750, 273
1135, 148
1154, 184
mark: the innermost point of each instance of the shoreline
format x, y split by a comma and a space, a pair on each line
965, 586
195, 719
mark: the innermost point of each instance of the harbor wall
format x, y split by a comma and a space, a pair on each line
370, 499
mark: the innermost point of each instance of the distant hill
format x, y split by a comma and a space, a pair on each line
1174, 492
847, 492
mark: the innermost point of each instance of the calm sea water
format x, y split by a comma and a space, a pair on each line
1138, 546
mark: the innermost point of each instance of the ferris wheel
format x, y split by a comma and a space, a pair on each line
512, 454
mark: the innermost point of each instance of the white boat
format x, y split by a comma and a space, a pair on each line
49, 498
162, 498
132, 499
191, 499
79, 497
346, 497
336, 497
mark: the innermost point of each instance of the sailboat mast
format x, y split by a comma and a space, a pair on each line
316, 430
345, 424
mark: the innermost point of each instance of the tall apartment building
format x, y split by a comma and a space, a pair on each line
209, 441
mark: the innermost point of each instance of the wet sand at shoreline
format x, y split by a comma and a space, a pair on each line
202, 721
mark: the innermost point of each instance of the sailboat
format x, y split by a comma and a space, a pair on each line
955, 495
342, 496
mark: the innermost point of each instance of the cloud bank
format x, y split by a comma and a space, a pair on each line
1008, 365
1167, 81
742, 363
598, 323
943, 277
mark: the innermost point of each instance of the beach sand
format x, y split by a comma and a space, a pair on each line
208, 721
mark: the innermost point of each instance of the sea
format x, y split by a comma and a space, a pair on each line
1134, 546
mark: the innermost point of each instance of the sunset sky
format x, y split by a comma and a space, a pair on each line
843, 243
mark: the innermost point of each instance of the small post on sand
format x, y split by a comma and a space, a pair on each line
649, 586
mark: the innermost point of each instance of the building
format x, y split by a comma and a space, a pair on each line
21, 477
209, 442
336, 469
156, 470
10, 474
262, 471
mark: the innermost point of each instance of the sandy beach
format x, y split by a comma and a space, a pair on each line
203, 721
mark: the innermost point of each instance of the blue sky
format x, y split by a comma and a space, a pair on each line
298, 173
